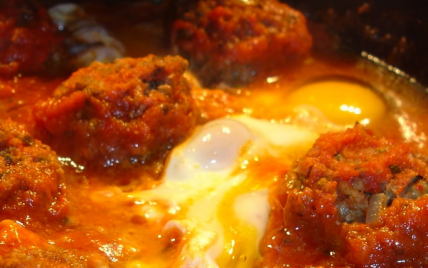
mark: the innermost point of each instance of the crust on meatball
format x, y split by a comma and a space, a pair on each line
31, 178
352, 200
232, 41
125, 114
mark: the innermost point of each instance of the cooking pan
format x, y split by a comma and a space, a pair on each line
394, 31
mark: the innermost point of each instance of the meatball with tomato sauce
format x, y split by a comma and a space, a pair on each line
28, 37
354, 200
232, 41
31, 178
125, 114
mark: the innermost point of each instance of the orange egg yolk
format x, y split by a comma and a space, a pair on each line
342, 102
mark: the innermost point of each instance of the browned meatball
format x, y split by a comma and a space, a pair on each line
352, 200
232, 41
27, 37
363, 167
124, 114
31, 178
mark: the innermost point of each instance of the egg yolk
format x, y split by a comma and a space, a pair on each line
342, 102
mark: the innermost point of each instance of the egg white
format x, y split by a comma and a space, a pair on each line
203, 177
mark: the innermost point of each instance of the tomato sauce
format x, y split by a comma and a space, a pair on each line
107, 225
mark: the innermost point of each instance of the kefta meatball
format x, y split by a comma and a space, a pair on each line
352, 200
31, 178
124, 114
233, 41
28, 37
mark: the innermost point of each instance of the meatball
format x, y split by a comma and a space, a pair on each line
31, 178
28, 37
353, 200
232, 41
124, 114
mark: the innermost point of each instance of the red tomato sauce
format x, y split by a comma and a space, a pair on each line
106, 224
